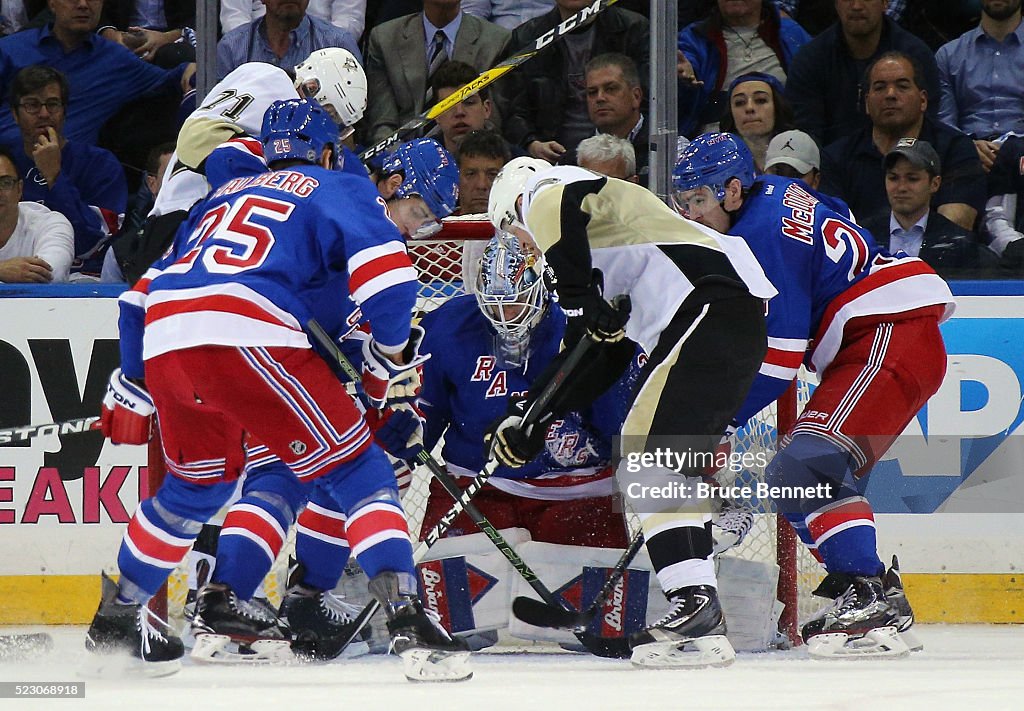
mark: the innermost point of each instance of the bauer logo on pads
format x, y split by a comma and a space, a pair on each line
450, 587
624, 612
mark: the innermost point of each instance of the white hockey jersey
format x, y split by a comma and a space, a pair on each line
235, 105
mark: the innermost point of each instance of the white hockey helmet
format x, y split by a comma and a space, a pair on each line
334, 77
508, 186
511, 293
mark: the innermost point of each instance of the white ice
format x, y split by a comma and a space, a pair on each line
963, 667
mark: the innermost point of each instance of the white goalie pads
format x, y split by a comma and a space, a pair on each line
471, 586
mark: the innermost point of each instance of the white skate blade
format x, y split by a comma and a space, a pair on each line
220, 649
432, 665
121, 665
881, 642
697, 653
910, 638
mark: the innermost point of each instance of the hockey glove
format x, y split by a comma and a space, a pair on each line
602, 322
388, 383
127, 413
509, 443
398, 430
1013, 255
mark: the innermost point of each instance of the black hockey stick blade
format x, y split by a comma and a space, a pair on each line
610, 647
19, 647
540, 614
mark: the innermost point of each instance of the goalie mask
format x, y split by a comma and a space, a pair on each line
335, 79
510, 292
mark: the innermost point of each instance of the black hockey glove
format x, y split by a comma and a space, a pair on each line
587, 306
1013, 256
511, 445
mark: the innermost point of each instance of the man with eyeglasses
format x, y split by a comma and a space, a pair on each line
84, 183
36, 244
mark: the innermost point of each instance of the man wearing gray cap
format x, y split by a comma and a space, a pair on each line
913, 174
794, 154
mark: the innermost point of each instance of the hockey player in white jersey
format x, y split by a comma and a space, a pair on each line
698, 310
235, 106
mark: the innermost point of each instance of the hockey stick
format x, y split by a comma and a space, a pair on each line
462, 498
537, 613
23, 434
488, 77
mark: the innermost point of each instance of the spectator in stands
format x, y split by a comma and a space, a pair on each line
608, 155
816, 15
1004, 212
84, 183
481, 155
851, 168
937, 22
471, 114
982, 93
403, 55
757, 111
122, 250
348, 15
507, 13
794, 154
36, 244
545, 110
614, 100
824, 84
157, 31
740, 36
103, 76
913, 175
284, 37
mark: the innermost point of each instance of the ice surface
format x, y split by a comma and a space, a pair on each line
964, 667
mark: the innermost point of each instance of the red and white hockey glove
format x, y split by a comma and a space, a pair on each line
387, 383
127, 414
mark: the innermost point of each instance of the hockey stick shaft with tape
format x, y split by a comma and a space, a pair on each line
488, 77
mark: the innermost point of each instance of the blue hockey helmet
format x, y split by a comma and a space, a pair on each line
297, 129
711, 160
428, 171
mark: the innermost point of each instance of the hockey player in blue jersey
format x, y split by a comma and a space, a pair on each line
264, 255
486, 349
868, 323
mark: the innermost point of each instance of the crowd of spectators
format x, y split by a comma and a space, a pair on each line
911, 112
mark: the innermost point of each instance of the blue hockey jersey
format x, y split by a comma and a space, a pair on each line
265, 253
466, 386
828, 270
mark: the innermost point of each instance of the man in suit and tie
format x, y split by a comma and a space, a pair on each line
913, 174
403, 53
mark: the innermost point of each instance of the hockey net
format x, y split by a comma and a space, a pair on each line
446, 265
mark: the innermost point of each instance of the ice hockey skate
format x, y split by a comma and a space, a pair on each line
690, 635
428, 652
731, 526
893, 585
129, 640
229, 630
861, 623
323, 625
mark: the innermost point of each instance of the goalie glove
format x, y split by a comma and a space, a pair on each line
586, 305
127, 413
388, 383
398, 430
509, 443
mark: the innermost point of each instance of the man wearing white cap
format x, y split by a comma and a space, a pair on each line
795, 155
